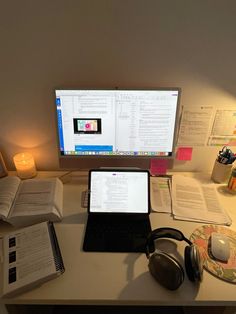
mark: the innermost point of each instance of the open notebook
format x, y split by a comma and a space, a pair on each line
118, 210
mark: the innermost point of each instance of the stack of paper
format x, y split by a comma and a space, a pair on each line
160, 194
196, 202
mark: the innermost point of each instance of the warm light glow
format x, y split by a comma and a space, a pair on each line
25, 166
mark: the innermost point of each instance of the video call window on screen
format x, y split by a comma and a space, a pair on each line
117, 122
87, 126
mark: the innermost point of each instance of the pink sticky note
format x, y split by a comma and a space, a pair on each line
184, 153
158, 166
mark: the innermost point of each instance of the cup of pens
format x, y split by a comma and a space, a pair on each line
223, 165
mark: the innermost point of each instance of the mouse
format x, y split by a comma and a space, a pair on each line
219, 246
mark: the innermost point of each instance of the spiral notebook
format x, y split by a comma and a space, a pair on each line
29, 257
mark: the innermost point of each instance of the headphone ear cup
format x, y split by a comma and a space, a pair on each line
166, 270
193, 263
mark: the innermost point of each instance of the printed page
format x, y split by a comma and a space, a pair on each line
195, 126
195, 202
160, 195
36, 186
34, 196
28, 257
224, 128
8, 189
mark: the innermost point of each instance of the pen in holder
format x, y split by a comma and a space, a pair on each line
221, 172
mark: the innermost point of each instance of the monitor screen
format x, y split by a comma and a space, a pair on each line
116, 123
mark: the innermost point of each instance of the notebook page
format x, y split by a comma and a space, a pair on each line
28, 257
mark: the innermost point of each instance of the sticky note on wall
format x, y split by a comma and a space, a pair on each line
158, 166
184, 153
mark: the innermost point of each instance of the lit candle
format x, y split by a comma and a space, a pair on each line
25, 166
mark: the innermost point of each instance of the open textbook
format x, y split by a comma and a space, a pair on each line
29, 257
24, 202
194, 201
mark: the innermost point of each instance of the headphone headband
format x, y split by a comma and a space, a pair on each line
167, 232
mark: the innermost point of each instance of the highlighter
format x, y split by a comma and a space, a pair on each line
232, 181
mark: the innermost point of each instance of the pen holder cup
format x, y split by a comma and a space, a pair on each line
221, 172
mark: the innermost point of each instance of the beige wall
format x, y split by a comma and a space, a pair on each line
106, 43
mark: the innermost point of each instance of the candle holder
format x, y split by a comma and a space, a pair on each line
25, 166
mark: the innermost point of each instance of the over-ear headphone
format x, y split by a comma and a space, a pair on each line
165, 268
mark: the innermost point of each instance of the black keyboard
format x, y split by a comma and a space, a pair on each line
116, 235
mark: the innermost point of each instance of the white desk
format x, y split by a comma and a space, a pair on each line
119, 278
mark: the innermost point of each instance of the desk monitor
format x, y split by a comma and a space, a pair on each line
115, 128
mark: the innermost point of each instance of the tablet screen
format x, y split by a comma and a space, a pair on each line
119, 191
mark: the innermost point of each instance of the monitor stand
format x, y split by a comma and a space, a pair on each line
67, 177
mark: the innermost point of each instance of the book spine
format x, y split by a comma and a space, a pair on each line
55, 248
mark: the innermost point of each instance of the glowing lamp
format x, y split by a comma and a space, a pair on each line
25, 166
